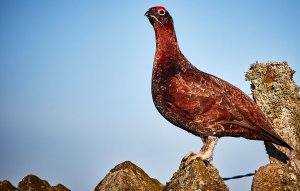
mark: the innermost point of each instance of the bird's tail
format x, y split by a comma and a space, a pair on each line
275, 138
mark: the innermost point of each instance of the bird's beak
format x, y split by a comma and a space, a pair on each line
147, 14
152, 18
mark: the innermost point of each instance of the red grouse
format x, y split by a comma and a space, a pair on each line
197, 102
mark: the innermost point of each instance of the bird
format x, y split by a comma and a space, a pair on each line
198, 102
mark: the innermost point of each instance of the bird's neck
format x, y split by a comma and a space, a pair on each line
166, 42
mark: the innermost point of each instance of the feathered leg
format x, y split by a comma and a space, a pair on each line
206, 151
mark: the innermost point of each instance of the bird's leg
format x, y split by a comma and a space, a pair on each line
206, 151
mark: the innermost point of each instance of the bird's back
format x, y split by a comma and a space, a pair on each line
196, 101
206, 105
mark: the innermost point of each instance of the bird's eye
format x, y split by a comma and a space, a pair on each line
162, 12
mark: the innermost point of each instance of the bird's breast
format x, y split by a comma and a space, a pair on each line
160, 87
166, 84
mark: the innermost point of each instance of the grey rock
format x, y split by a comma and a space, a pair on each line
128, 177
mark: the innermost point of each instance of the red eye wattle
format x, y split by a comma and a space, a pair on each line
161, 12
160, 8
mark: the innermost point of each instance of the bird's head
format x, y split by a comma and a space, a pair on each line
159, 16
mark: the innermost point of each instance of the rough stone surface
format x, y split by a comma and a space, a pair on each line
275, 177
33, 183
198, 176
58, 187
6, 186
277, 95
128, 177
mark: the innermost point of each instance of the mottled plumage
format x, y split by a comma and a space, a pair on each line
197, 102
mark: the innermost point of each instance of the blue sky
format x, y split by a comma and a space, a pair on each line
75, 80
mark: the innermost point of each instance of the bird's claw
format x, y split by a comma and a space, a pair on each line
188, 155
191, 156
188, 158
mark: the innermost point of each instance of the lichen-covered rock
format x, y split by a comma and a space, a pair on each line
6, 186
33, 183
58, 187
196, 176
275, 177
277, 95
128, 177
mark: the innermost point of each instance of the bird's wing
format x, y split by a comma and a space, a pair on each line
242, 109
206, 99
200, 98
209, 99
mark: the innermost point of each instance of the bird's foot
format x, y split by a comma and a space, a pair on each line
188, 155
191, 156
205, 153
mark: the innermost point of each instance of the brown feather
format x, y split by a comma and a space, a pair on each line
198, 102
